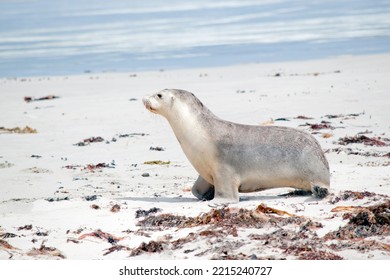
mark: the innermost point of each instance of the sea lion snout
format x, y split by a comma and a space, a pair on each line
147, 103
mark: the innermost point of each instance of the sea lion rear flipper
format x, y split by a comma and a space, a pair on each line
202, 189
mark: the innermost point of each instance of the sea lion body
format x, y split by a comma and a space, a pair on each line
232, 158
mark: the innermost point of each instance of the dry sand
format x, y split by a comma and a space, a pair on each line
61, 199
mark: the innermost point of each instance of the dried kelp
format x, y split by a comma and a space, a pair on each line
116, 248
157, 162
364, 222
362, 139
318, 126
90, 140
101, 235
4, 244
48, 97
144, 213
46, 251
354, 195
26, 227
226, 217
98, 166
159, 149
24, 130
115, 208
268, 210
150, 247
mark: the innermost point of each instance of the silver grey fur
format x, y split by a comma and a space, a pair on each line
240, 158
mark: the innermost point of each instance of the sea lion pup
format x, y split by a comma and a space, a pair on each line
233, 158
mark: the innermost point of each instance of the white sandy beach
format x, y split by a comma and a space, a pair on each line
59, 200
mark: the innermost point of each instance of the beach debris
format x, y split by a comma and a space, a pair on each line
225, 217
42, 233
156, 149
321, 126
48, 97
51, 199
116, 248
359, 152
73, 167
90, 197
362, 139
4, 244
299, 240
344, 208
162, 221
89, 140
131, 135
359, 245
364, 222
35, 156
308, 253
24, 130
115, 208
157, 162
344, 116
78, 231
150, 247
327, 135
101, 235
95, 206
25, 227
354, 195
282, 119
46, 251
98, 166
138, 232
144, 213
269, 210
8, 235
73, 240
318, 126
301, 117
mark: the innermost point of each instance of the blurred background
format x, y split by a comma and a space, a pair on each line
64, 37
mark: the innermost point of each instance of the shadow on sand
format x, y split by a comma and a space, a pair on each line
259, 198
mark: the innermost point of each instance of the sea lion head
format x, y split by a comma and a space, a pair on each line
169, 102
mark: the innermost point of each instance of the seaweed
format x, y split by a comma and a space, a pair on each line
354, 195
46, 251
24, 130
144, 213
362, 139
29, 99
116, 248
364, 222
4, 244
90, 140
115, 208
150, 247
157, 162
26, 227
101, 235
156, 149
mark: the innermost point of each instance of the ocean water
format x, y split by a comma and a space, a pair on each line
64, 37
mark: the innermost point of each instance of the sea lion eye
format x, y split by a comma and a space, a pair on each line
159, 95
